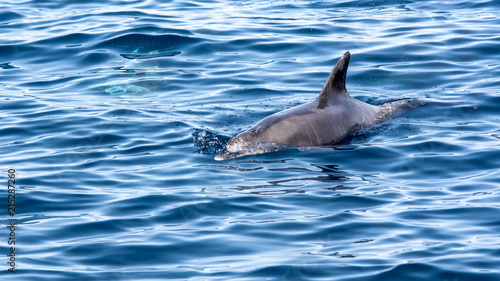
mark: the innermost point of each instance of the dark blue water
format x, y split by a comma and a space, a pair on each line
112, 113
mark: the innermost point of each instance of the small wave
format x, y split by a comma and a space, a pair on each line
9, 16
7, 65
150, 56
146, 43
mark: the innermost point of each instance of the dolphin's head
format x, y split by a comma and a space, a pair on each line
282, 130
239, 142
248, 140
257, 140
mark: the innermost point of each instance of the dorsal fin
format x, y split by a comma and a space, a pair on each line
335, 84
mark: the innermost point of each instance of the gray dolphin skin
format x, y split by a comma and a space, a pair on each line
327, 120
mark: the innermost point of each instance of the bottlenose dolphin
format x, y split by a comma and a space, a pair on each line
327, 120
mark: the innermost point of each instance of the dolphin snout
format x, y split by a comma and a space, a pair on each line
240, 142
234, 144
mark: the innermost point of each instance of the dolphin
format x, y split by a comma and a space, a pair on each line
327, 120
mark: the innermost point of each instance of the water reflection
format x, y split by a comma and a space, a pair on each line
285, 176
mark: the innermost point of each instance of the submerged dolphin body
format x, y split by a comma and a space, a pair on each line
324, 121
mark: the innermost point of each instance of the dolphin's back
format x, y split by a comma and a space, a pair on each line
328, 119
306, 125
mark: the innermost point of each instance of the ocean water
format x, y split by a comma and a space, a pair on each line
112, 112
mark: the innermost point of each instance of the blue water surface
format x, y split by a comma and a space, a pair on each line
112, 112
